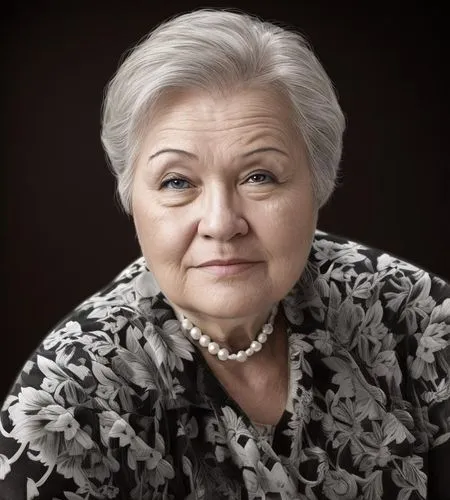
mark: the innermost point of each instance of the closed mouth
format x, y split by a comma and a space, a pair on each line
228, 262
227, 267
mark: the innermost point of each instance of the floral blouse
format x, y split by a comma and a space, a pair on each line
117, 403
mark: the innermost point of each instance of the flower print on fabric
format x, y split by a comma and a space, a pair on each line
116, 403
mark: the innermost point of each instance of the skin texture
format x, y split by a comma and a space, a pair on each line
224, 177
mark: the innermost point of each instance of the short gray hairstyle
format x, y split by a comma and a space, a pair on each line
212, 49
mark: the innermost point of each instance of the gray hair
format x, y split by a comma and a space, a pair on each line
220, 49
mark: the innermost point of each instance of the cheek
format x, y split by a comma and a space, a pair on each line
162, 238
289, 222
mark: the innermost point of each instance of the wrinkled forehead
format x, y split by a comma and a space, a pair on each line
245, 114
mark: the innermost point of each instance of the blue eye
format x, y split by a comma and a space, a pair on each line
175, 183
259, 178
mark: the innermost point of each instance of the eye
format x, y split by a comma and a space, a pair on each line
260, 178
175, 183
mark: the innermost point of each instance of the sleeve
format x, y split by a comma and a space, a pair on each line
430, 365
69, 429
425, 315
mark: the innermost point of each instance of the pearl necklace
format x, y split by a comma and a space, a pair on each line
223, 353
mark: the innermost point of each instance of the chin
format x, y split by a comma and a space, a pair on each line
231, 305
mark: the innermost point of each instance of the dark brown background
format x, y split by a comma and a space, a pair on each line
64, 235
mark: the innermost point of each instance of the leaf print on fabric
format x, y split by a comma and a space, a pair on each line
113, 402
240, 439
363, 287
344, 322
370, 454
301, 403
306, 296
339, 253
252, 484
215, 434
410, 478
298, 346
167, 345
340, 423
5, 468
386, 262
196, 479
372, 324
442, 392
339, 485
375, 344
134, 363
372, 486
313, 466
73, 496
441, 439
111, 389
55, 438
70, 330
412, 300
273, 481
187, 426
322, 341
434, 339
32, 490
351, 383
386, 365
70, 385
115, 429
161, 468
394, 430
108, 491
115, 324
342, 274
46, 426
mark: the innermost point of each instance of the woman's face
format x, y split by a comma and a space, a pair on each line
222, 202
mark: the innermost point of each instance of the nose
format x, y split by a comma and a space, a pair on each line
221, 215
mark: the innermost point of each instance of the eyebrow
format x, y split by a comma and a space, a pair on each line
264, 150
191, 155
171, 150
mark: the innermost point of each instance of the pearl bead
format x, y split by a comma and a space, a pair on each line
241, 356
195, 333
223, 354
186, 324
249, 352
262, 337
256, 346
213, 348
267, 329
204, 340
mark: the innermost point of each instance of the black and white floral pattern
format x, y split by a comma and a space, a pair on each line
117, 404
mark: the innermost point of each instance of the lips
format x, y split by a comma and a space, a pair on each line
228, 267
227, 262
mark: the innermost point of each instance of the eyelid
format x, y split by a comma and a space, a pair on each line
174, 177
271, 175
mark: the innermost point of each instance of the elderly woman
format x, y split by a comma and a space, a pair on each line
246, 354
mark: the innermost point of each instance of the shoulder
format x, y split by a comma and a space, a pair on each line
87, 392
390, 316
106, 348
375, 332
367, 291
351, 277
360, 270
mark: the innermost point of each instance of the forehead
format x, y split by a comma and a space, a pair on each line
204, 117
